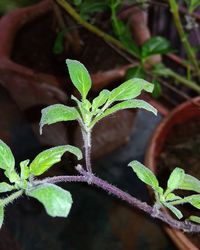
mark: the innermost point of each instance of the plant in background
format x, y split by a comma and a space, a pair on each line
121, 39
58, 201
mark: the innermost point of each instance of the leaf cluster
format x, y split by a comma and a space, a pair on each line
178, 180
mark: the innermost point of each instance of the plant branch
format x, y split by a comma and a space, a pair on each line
188, 49
89, 178
72, 12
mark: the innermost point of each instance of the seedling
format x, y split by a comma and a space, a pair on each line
58, 201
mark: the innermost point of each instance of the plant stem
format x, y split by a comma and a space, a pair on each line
134, 202
11, 197
87, 146
72, 12
188, 49
188, 83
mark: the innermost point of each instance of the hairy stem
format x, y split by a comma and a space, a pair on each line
134, 202
188, 49
11, 197
87, 146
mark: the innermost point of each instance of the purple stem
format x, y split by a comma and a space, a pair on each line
86, 176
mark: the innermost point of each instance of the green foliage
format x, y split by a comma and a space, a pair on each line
57, 113
192, 5
157, 91
144, 174
56, 200
89, 7
106, 103
177, 180
155, 46
49, 157
5, 187
79, 76
194, 219
10, 5
138, 72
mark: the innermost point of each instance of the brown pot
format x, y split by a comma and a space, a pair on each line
182, 114
30, 88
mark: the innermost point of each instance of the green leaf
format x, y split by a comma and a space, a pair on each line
57, 113
161, 70
5, 187
100, 99
1, 215
192, 5
144, 174
190, 183
157, 91
194, 219
172, 197
49, 157
58, 46
156, 45
194, 200
174, 210
7, 161
126, 105
56, 200
137, 72
175, 179
24, 169
130, 89
79, 76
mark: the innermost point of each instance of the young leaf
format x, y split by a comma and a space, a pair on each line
194, 200
24, 169
57, 113
49, 157
56, 200
7, 161
144, 174
175, 179
174, 210
155, 45
1, 215
194, 219
100, 99
129, 90
172, 197
126, 105
79, 76
190, 183
5, 187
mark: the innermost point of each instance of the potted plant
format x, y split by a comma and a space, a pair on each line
44, 85
56, 200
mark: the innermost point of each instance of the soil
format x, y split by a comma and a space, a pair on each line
182, 149
34, 48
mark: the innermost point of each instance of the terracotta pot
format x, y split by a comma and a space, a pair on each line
182, 114
32, 90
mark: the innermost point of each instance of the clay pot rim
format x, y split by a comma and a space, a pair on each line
156, 143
